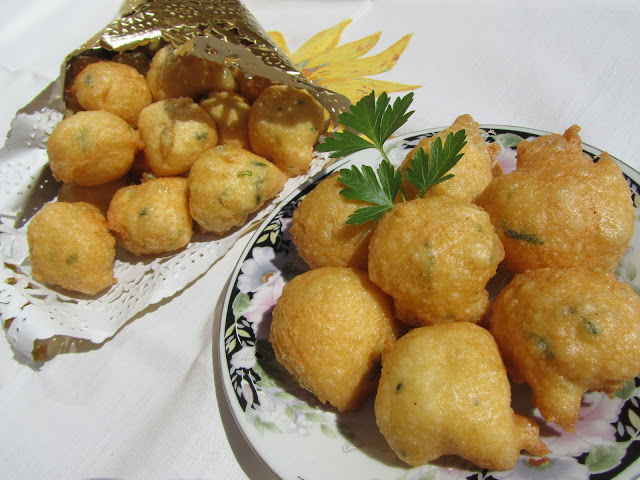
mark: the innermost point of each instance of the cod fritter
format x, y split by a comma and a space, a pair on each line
329, 327
434, 256
559, 208
565, 332
319, 231
444, 391
71, 246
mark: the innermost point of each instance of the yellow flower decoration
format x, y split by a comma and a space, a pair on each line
342, 68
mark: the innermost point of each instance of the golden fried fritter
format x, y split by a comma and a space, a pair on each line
175, 131
172, 75
70, 246
230, 112
559, 208
434, 256
227, 184
444, 391
472, 173
319, 231
284, 125
114, 87
153, 217
329, 327
565, 332
91, 148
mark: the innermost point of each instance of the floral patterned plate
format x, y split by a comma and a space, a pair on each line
299, 438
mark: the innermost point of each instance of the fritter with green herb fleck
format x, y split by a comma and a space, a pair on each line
175, 131
71, 246
114, 87
284, 125
444, 391
434, 256
227, 184
559, 208
91, 148
153, 217
565, 332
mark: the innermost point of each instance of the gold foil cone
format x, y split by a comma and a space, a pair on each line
222, 31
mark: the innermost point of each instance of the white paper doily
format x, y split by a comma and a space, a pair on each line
40, 321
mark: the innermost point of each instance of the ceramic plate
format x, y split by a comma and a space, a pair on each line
299, 438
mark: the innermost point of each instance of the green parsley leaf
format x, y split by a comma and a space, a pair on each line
375, 119
380, 190
425, 171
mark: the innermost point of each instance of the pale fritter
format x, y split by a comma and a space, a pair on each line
230, 112
329, 327
434, 256
319, 231
284, 125
70, 246
559, 208
93, 147
227, 184
565, 332
114, 87
175, 131
172, 75
444, 391
153, 217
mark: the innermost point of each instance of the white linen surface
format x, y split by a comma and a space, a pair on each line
147, 404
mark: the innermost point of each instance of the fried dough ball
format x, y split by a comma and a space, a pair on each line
91, 148
172, 75
472, 173
230, 112
320, 233
284, 125
175, 131
113, 87
98, 195
559, 209
444, 391
329, 327
252, 87
70, 246
74, 67
153, 217
434, 256
565, 332
227, 184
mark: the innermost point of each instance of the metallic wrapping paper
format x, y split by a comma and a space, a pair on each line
222, 31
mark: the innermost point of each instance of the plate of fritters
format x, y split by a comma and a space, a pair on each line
387, 350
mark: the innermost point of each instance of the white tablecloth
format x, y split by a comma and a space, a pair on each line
147, 404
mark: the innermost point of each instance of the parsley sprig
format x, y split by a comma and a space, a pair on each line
377, 120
